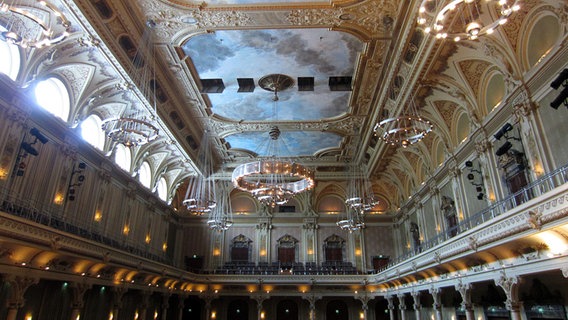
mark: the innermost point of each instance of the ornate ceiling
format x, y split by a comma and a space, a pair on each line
205, 49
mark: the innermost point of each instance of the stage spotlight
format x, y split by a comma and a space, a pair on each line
479, 188
470, 176
480, 196
503, 149
560, 79
469, 164
506, 128
561, 98
29, 149
35, 132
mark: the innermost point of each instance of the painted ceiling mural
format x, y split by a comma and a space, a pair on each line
238, 2
317, 53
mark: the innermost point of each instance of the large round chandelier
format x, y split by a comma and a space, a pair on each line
221, 216
201, 194
136, 126
28, 24
464, 19
403, 130
273, 180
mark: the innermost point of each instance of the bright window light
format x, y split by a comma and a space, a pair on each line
92, 132
122, 157
52, 95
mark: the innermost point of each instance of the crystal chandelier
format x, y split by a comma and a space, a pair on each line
273, 180
201, 195
135, 127
404, 130
33, 23
221, 216
464, 19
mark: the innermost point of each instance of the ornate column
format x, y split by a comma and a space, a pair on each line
208, 298
465, 291
489, 169
417, 306
117, 294
309, 234
364, 298
181, 305
511, 287
390, 300
165, 304
437, 306
259, 298
18, 287
143, 304
311, 298
402, 305
77, 293
263, 235
524, 112
458, 192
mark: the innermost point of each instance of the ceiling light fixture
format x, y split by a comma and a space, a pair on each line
135, 127
33, 24
201, 195
404, 130
273, 180
360, 197
221, 217
462, 19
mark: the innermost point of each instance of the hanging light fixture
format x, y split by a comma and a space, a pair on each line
32, 23
134, 127
464, 19
360, 197
404, 130
201, 195
273, 180
221, 216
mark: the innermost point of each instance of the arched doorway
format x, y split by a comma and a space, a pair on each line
333, 248
287, 250
287, 310
336, 310
238, 310
240, 249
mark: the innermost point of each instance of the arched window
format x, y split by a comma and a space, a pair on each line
122, 157
9, 58
337, 310
92, 132
162, 189
52, 95
287, 310
145, 175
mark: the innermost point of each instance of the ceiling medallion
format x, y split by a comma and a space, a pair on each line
275, 83
462, 19
28, 25
272, 180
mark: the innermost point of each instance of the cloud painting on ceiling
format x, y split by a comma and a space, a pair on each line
318, 53
292, 143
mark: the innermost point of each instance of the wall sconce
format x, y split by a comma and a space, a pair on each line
71, 188
503, 131
562, 79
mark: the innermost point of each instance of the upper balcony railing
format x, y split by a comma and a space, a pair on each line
540, 186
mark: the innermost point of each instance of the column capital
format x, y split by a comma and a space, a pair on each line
18, 287
436, 296
401, 302
78, 290
390, 300
465, 291
416, 296
511, 287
